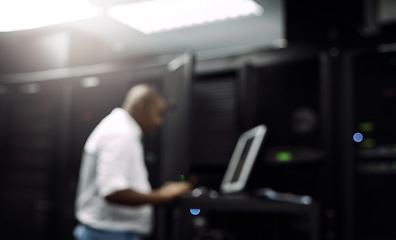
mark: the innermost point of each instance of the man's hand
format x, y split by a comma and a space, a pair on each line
171, 190
166, 192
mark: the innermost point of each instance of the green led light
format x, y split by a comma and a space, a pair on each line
366, 127
394, 165
182, 177
284, 156
368, 143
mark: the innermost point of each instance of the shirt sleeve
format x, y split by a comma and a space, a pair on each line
115, 160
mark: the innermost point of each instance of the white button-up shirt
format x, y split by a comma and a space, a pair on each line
113, 160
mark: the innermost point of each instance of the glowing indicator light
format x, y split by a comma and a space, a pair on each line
182, 177
394, 165
90, 82
32, 88
284, 156
368, 143
358, 137
366, 127
195, 211
389, 93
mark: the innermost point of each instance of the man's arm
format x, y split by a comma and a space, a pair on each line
167, 192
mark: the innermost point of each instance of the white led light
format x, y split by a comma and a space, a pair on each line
27, 14
195, 211
31, 88
90, 82
358, 137
152, 16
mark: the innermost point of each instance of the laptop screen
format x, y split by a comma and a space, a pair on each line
242, 160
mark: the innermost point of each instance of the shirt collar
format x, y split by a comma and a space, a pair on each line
131, 120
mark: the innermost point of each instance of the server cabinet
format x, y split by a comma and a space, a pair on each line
30, 129
286, 91
369, 143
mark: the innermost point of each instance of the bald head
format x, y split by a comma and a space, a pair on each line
146, 105
139, 94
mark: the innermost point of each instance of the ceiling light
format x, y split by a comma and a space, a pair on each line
30, 88
27, 14
152, 16
90, 82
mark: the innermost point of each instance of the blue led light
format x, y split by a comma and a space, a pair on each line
195, 211
358, 137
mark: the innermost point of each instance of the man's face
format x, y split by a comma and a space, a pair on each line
153, 115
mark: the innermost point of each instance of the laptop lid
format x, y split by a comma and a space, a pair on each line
242, 160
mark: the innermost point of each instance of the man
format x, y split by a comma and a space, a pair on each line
114, 198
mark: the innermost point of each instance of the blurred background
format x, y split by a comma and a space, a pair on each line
321, 76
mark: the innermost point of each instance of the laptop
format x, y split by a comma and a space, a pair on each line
240, 165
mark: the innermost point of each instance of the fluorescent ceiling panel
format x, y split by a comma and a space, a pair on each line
153, 16
29, 14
